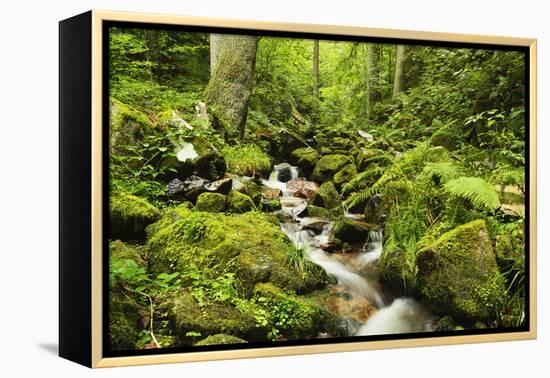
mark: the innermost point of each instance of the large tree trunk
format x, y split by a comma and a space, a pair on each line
399, 80
231, 81
315, 99
215, 42
373, 77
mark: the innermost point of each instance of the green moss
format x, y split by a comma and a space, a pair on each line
169, 216
345, 174
318, 212
351, 231
289, 316
239, 203
124, 322
121, 250
190, 319
327, 196
328, 165
248, 245
219, 339
127, 126
446, 136
253, 190
246, 160
211, 202
396, 273
129, 215
305, 158
458, 274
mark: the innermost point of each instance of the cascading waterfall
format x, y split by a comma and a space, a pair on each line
403, 315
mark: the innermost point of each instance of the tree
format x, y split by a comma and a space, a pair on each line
373, 77
399, 80
215, 42
315, 99
231, 81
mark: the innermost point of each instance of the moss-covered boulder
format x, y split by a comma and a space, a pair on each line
121, 250
219, 339
291, 316
249, 247
124, 322
446, 136
458, 274
327, 196
351, 231
252, 190
344, 175
189, 318
211, 202
239, 203
329, 165
129, 215
377, 209
128, 127
397, 273
305, 158
318, 212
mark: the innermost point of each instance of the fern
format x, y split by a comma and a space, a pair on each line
479, 192
363, 179
445, 170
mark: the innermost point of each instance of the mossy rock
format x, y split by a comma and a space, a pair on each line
127, 127
292, 316
129, 215
121, 250
169, 216
447, 137
305, 158
344, 175
458, 274
249, 246
220, 339
124, 322
253, 190
318, 212
376, 209
329, 165
239, 203
270, 205
397, 274
211, 202
210, 318
327, 196
351, 231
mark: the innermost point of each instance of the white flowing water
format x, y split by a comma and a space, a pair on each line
403, 315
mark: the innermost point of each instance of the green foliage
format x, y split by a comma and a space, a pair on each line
246, 160
479, 192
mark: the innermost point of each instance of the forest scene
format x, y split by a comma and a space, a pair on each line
265, 189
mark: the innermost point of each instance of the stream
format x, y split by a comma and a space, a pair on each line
358, 297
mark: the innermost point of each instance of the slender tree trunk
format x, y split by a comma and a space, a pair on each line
215, 41
315, 99
373, 77
230, 84
399, 80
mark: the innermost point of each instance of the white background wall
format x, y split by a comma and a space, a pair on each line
28, 185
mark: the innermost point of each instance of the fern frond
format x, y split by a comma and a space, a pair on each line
479, 192
362, 179
445, 170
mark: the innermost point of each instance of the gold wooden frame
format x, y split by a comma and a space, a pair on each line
97, 19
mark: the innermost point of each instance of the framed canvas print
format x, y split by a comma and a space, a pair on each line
234, 189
